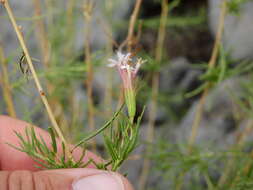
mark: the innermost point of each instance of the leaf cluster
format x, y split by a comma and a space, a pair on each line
200, 166
120, 142
235, 5
49, 157
215, 75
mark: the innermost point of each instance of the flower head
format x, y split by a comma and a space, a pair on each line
128, 71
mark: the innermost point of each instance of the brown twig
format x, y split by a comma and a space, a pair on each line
35, 77
108, 34
130, 35
45, 52
6, 85
200, 106
41, 34
230, 163
68, 47
154, 94
107, 27
211, 64
88, 8
246, 170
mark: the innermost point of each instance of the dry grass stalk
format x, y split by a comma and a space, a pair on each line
68, 49
88, 8
35, 76
130, 36
6, 85
230, 163
200, 106
109, 49
211, 64
41, 33
247, 131
154, 94
45, 52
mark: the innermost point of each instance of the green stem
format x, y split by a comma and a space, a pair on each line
107, 124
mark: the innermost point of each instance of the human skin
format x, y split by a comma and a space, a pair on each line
17, 171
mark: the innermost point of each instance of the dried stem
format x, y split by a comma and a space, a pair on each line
34, 74
41, 34
69, 29
6, 85
230, 163
45, 52
88, 8
109, 48
129, 40
154, 95
49, 8
108, 32
211, 64
197, 118
246, 170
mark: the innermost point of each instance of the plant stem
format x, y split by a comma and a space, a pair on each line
41, 33
69, 29
34, 74
132, 23
93, 134
200, 106
130, 35
230, 163
88, 8
6, 85
246, 171
211, 64
109, 50
45, 52
154, 95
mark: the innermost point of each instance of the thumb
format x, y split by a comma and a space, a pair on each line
63, 179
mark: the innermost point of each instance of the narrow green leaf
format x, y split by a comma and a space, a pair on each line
107, 124
53, 139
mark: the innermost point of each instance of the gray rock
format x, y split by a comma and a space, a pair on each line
177, 74
219, 125
176, 77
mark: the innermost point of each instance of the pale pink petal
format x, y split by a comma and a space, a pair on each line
123, 66
126, 70
113, 63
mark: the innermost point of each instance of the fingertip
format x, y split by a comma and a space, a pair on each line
12, 159
88, 178
127, 185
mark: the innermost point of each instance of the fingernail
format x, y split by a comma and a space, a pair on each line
99, 182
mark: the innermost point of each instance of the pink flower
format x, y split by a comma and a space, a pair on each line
126, 70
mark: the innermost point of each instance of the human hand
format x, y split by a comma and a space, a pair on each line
17, 171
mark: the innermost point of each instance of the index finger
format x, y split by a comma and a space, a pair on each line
12, 159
